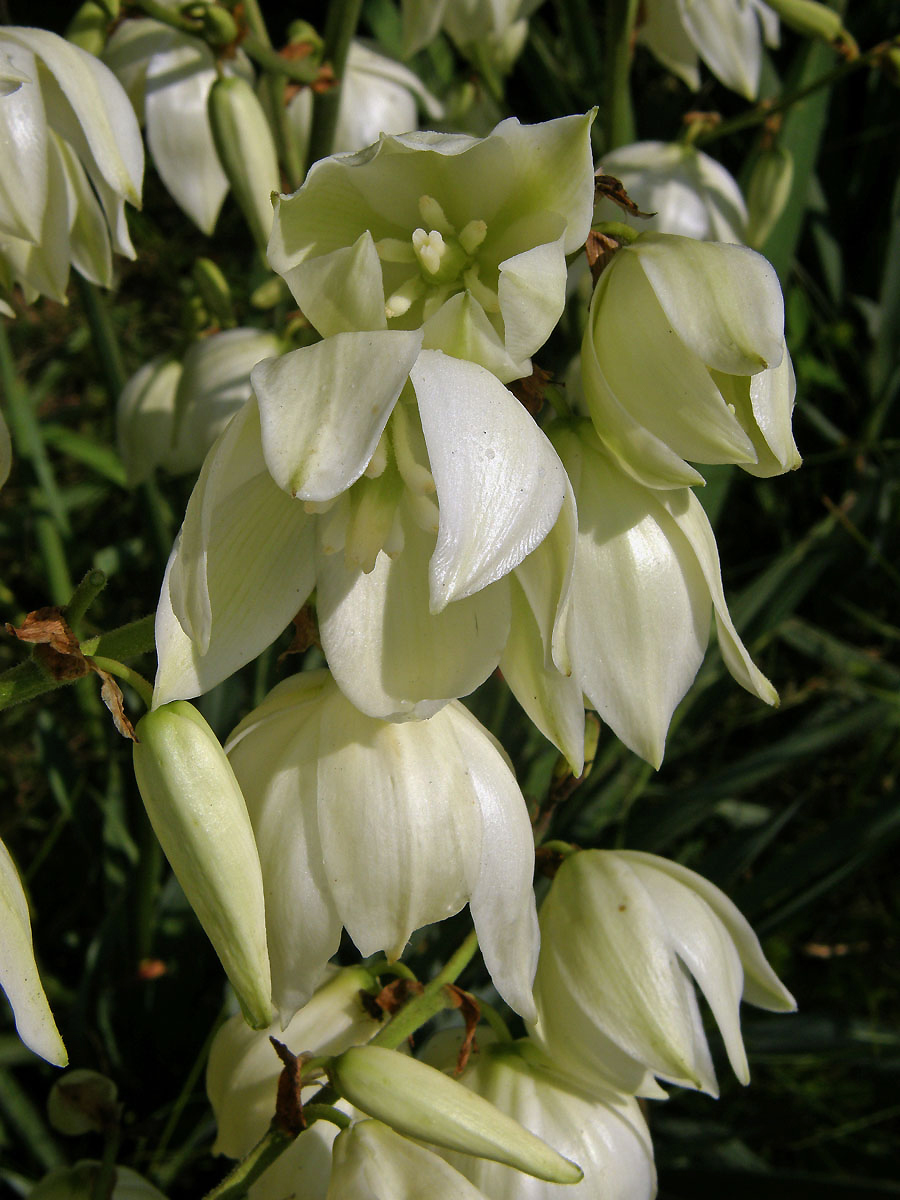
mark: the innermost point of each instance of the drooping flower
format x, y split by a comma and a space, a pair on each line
463, 237
621, 934
597, 1127
726, 34
169, 413
684, 360
168, 76
372, 1161
646, 584
19, 977
381, 828
72, 156
685, 191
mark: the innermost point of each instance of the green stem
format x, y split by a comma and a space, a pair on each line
432, 1000
343, 17
768, 108
237, 1182
53, 554
298, 70
273, 83
169, 16
619, 115
103, 335
84, 596
132, 678
326, 1112
28, 679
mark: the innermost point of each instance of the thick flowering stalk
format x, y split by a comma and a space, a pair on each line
684, 190
381, 828
19, 977
463, 237
72, 157
599, 1128
645, 587
726, 34
198, 813
622, 932
684, 361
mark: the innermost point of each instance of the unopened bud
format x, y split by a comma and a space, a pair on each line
246, 151
214, 291
89, 27
768, 192
811, 19
421, 1102
83, 1101
198, 812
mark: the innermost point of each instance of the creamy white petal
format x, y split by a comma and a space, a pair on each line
372, 1161
145, 418
391, 656
726, 35
23, 143
89, 245
178, 83
323, 408
341, 291
19, 977
500, 484
532, 293
462, 328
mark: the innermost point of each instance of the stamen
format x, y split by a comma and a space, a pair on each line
405, 297
434, 216
395, 540
378, 461
396, 250
407, 439
424, 512
472, 236
333, 526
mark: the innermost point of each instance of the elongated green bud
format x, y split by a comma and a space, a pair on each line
811, 19
421, 1102
214, 291
198, 813
768, 191
90, 25
246, 151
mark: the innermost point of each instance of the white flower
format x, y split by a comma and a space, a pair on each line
382, 828
170, 413
373, 1162
646, 584
684, 361
464, 237
168, 76
19, 977
622, 932
685, 190
726, 34
72, 156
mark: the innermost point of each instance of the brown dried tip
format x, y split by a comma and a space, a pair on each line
607, 187
396, 993
289, 1116
600, 248
56, 646
471, 1013
530, 390
306, 633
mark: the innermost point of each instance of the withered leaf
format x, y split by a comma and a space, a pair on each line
530, 390
111, 695
471, 1013
288, 1106
607, 187
55, 645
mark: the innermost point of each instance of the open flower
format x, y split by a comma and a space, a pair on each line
621, 934
464, 237
684, 361
382, 828
727, 35
72, 157
406, 504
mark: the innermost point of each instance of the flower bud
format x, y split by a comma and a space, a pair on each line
246, 151
768, 191
809, 18
198, 813
420, 1102
83, 1101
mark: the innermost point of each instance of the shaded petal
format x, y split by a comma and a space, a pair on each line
500, 877
499, 482
18, 971
764, 404
145, 418
726, 35
23, 143
532, 293
663, 31
178, 83
394, 863
89, 247
462, 328
86, 105
691, 519
390, 655
723, 301
274, 753
343, 290
242, 567
324, 407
